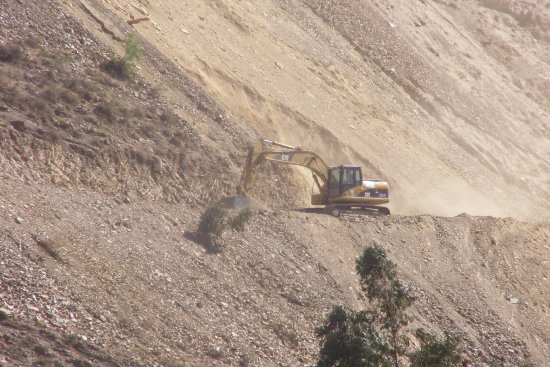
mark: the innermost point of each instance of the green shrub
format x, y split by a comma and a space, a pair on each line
123, 68
238, 222
212, 224
133, 48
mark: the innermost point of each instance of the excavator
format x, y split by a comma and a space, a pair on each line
342, 189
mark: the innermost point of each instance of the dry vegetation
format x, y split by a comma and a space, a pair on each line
61, 100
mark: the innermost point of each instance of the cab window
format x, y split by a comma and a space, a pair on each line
351, 178
334, 183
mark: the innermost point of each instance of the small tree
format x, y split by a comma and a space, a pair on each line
212, 224
379, 281
350, 340
434, 352
123, 67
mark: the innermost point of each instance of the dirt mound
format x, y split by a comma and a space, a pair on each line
102, 181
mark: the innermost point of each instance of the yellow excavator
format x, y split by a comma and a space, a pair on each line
342, 189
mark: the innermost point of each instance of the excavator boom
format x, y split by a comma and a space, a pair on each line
289, 155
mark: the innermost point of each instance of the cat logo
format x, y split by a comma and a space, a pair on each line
283, 157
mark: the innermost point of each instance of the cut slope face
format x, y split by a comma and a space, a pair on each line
445, 100
67, 122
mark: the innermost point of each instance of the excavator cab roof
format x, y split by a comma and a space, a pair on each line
344, 166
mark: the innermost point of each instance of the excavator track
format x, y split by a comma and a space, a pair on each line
339, 209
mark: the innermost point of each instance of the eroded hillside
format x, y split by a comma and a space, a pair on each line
102, 181
447, 100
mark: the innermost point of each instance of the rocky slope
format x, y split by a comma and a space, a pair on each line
126, 285
102, 181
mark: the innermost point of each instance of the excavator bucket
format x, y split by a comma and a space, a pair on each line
235, 202
241, 201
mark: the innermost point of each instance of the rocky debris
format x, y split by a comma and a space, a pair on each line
146, 290
192, 289
39, 317
30, 343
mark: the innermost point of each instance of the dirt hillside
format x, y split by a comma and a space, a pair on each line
102, 181
447, 100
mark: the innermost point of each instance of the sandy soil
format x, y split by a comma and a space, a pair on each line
445, 100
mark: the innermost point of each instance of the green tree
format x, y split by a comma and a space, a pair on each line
376, 337
349, 339
388, 294
434, 352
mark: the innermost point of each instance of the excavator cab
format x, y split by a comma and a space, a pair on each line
343, 178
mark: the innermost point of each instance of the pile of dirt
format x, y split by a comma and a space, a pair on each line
102, 181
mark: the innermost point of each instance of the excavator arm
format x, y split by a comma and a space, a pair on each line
285, 154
